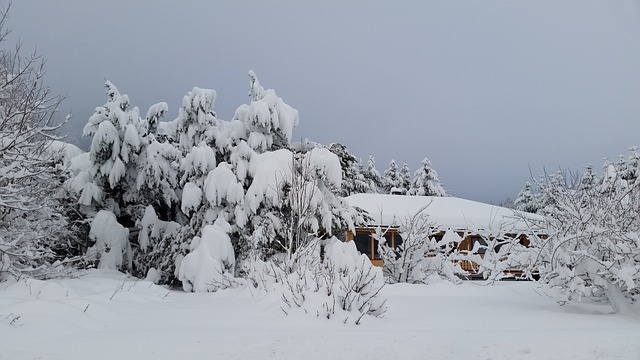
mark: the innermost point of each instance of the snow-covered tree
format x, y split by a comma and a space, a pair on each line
117, 140
405, 178
244, 176
588, 179
353, 180
196, 119
632, 171
33, 220
292, 196
392, 181
554, 185
158, 167
128, 168
269, 120
593, 247
426, 182
372, 175
526, 200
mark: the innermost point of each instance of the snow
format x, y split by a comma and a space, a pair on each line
111, 241
210, 261
222, 184
106, 136
271, 171
107, 315
191, 197
265, 116
67, 150
157, 110
443, 212
327, 164
200, 160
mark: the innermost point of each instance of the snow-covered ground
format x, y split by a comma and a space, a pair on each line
104, 315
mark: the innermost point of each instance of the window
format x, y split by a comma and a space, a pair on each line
363, 242
482, 244
368, 245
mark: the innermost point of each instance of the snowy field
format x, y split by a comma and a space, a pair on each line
103, 316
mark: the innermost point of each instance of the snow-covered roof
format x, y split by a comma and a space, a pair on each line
444, 212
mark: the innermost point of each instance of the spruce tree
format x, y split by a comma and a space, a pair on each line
426, 182
405, 178
526, 201
372, 176
353, 180
392, 181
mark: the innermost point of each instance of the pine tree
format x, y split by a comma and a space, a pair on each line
196, 119
405, 178
588, 179
129, 172
118, 138
526, 201
158, 167
633, 166
392, 181
554, 185
426, 182
353, 180
372, 175
269, 120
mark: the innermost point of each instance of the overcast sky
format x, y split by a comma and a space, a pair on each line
486, 89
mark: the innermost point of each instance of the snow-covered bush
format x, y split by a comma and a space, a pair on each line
406, 262
111, 242
344, 286
420, 255
210, 264
593, 248
505, 256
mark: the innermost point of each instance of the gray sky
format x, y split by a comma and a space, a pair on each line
486, 89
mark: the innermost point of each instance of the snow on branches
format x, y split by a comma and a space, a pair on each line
594, 249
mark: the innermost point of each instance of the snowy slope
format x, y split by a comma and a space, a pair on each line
104, 315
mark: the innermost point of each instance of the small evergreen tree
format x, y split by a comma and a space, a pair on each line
588, 179
117, 140
269, 120
526, 201
426, 182
372, 175
392, 181
405, 178
353, 180
633, 166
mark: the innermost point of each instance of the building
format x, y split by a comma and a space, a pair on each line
473, 222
